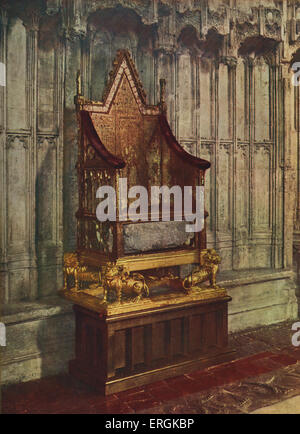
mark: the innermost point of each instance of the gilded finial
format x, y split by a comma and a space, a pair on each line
163, 105
78, 83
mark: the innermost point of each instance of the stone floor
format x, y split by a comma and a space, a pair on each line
287, 406
266, 371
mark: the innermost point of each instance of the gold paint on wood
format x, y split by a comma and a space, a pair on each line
118, 279
100, 274
145, 261
205, 272
115, 285
93, 300
79, 272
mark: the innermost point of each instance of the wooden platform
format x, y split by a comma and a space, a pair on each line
120, 351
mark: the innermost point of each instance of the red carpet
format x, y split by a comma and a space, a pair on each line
63, 394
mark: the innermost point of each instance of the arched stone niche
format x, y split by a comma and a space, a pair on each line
117, 28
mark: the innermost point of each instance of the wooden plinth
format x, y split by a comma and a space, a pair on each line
122, 351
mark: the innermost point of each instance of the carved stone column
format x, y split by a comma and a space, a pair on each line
31, 23
72, 41
287, 162
20, 173
3, 191
224, 157
165, 64
236, 247
281, 253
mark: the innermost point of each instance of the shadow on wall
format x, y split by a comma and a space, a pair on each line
54, 330
47, 230
70, 186
55, 343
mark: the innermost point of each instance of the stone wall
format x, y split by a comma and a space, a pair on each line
230, 100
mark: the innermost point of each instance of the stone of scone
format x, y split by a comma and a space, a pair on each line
143, 237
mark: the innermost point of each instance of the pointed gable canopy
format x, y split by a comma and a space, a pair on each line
121, 126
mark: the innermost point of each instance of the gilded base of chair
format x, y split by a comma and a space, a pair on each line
117, 351
92, 299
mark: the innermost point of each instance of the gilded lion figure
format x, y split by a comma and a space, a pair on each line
118, 279
72, 267
205, 272
79, 272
